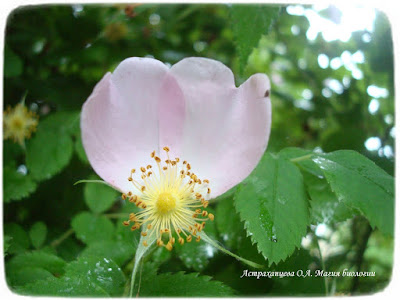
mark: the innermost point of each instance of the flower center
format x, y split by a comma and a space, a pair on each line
172, 199
165, 203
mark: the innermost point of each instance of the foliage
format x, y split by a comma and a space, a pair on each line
320, 198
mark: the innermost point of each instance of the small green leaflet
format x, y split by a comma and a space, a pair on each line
273, 205
183, 285
362, 185
90, 228
16, 185
249, 23
38, 233
55, 131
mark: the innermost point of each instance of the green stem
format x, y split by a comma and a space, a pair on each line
301, 158
323, 267
213, 243
62, 238
134, 271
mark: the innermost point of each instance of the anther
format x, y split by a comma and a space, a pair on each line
126, 223
208, 190
184, 162
165, 168
130, 179
189, 238
211, 217
181, 241
123, 196
157, 159
133, 171
144, 233
160, 242
149, 173
129, 194
132, 217
166, 149
142, 169
206, 180
168, 246
177, 159
198, 239
133, 199
198, 211
143, 188
204, 214
149, 226
148, 167
205, 204
188, 166
145, 243
153, 154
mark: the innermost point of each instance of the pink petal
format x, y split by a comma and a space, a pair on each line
119, 121
226, 129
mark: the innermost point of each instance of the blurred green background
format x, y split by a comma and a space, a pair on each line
332, 88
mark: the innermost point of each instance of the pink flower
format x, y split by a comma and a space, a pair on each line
215, 133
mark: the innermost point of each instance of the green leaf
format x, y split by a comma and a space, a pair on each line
16, 185
90, 228
298, 286
118, 251
273, 205
27, 275
183, 285
6, 244
20, 239
362, 185
38, 233
196, 255
80, 151
325, 206
37, 259
249, 23
99, 197
103, 272
13, 65
55, 133
65, 286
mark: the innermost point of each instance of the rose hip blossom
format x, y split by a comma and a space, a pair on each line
189, 132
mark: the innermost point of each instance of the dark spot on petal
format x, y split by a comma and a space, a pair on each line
266, 93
